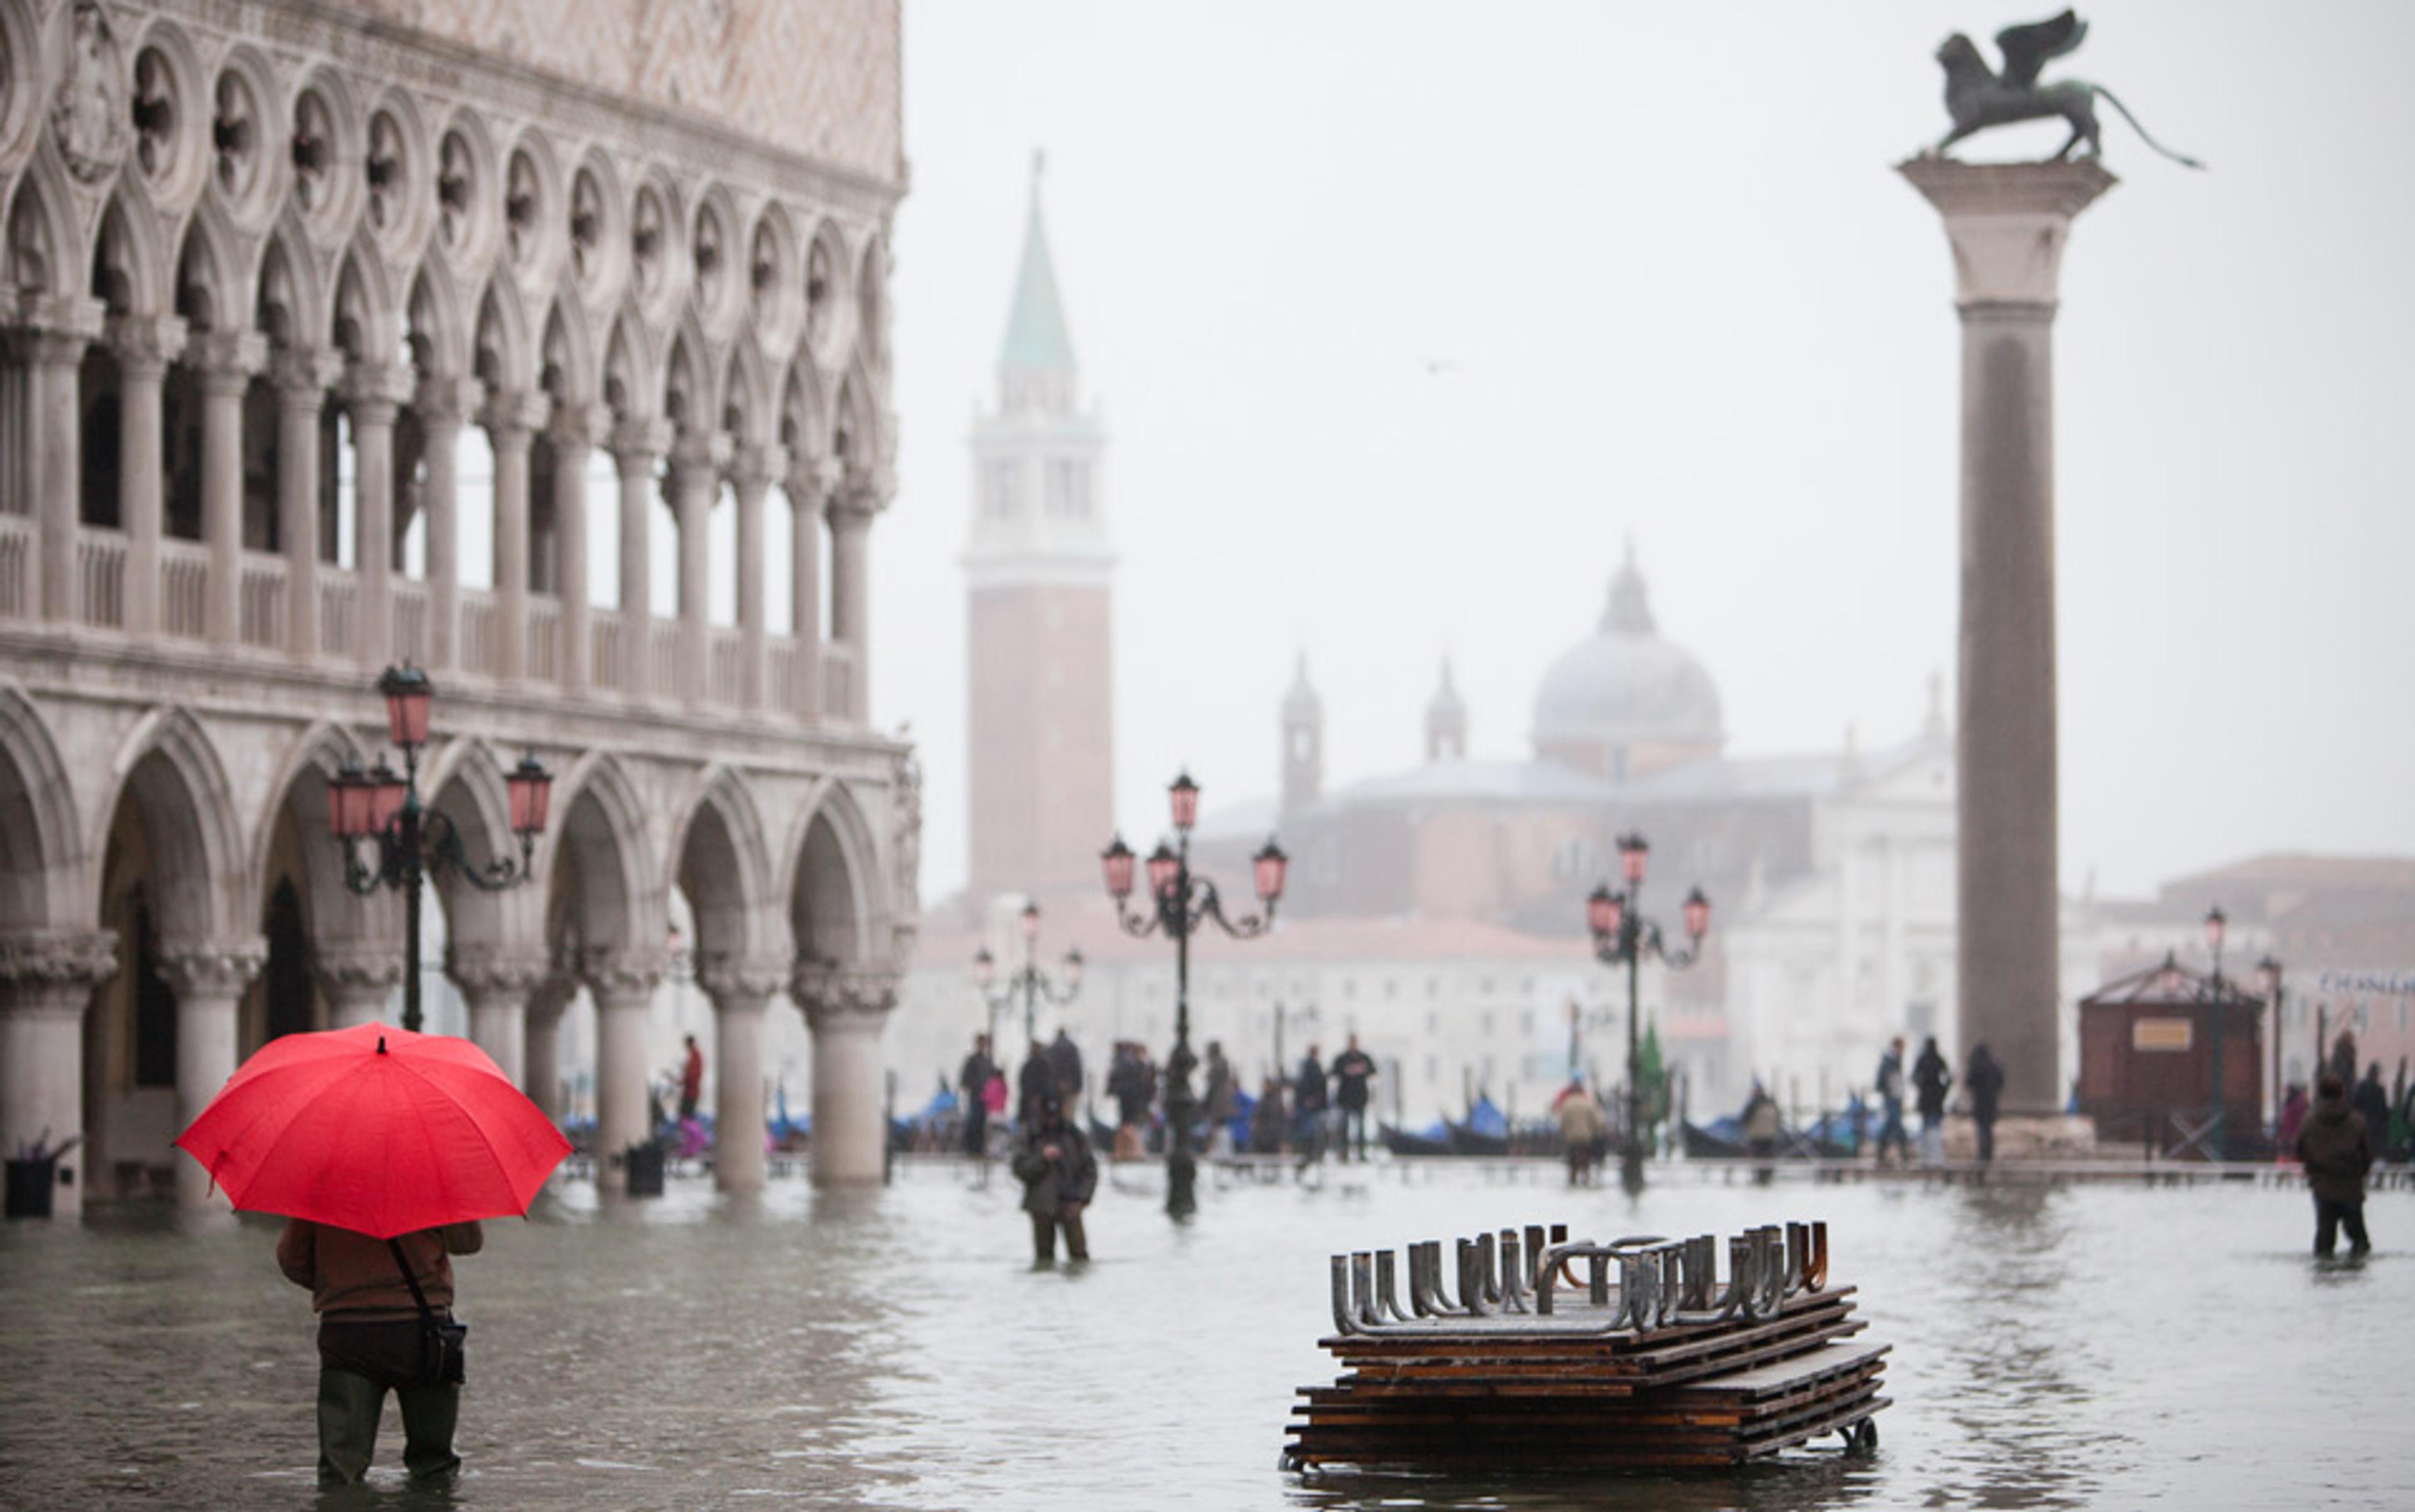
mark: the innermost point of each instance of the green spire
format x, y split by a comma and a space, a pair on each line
1036, 339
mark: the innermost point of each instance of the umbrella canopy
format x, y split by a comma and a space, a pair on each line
375, 1129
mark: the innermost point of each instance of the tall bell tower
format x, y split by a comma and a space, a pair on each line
1038, 570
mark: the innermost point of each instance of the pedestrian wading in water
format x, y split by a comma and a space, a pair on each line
2336, 1149
1058, 1173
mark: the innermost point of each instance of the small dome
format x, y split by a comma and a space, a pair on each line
1625, 686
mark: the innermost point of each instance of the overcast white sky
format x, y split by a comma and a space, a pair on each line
1681, 294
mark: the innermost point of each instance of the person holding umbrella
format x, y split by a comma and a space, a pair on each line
385, 1149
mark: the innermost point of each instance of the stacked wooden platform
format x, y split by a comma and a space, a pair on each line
1557, 1355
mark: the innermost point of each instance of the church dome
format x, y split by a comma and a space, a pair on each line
1624, 700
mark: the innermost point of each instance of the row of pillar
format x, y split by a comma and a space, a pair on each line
516, 1004
47, 353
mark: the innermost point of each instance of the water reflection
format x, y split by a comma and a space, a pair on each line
2082, 1347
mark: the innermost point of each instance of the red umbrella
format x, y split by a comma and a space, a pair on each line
375, 1129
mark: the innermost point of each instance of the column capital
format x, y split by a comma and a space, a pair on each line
639, 444
738, 983
580, 425
359, 968
2007, 223
57, 327
376, 390
812, 480
212, 968
146, 344
52, 972
548, 998
448, 400
227, 359
618, 979
693, 454
303, 375
510, 413
758, 467
491, 971
862, 494
842, 997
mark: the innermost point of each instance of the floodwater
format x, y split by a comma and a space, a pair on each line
2081, 1347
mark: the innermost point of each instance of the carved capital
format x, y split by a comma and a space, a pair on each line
227, 359
585, 425
146, 344
813, 479
618, 979
863, 495
509, 414
375, 390
548, 998
756, 467
53, 971
303, 376
698, 461
212, 968
641, 443
53, 329
444, 402
486, 972
740, 984
359, 969
842, 997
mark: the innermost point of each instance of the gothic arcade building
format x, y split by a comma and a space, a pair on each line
336, 336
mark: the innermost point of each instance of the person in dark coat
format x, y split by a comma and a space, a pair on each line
1889, 1085
972, 1084
1058, 1173
1931, 1079
2337, 1151
1308, 1105
1037, 1080
2373, 1101
1065, 1060
1985, 1081
1352, 1070
1218, 1101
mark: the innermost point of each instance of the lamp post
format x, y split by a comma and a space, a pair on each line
2215, 927
412, 840
1180, 903
1032, 982
1622, 936
2267, 984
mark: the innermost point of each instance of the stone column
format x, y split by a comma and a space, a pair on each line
637, 447
374, 393
623, 990
209, 979
302, 378
497, 984
227, 361
696, 464
53, 348
751, 475
46, 983
144, 349
440, 405
2007, 223
851, 513
360, 980
740, 994
846, 1012
541, 1057
574, 434
511, 421
811, 483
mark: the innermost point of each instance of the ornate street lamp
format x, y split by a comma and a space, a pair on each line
1622, 936
1180, 904
1034, 984
2267, 986
410, 840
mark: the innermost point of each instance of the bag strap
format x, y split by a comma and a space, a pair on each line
426, 1313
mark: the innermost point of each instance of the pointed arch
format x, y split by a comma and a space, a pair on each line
211, 292
723, 860
129, 261
504, 358
805, 413
566, 367
364, 327
168, 765
855, 425
690, 401
597, 850
299, 793
465, 779
439, 344
632, 385
42, 850
830, 881
292, 308
42, 255
745, 407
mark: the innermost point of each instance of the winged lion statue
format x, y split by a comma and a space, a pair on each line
1977, 97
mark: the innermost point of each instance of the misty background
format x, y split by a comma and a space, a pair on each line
1404, 316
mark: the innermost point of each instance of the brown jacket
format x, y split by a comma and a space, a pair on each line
2336, 1149
353, 1278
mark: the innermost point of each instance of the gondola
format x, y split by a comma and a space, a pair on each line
1435, 1141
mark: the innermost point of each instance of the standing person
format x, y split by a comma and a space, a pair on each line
1065, 1065
1583, 1131
1128, 1088
2293, 1117
691, 1081
1058, 1173
1309, 1099
1268, 1120
1761, 1127
1930, 1079
372, 1340
972, 1084
1890, 1090
1985, 1081
1037, 1080
2337, 1151
2373, 1101
1218, 1099
1352, 1070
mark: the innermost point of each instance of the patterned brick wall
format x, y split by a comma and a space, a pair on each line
816, 77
